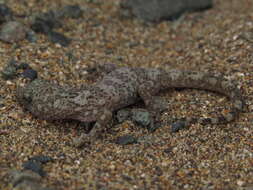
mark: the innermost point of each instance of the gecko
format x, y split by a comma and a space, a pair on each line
121, 87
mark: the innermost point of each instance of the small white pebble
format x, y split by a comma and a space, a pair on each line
8, 82
240, 183
249, 23
57, 45
164, 164
77, 162
128, 162
240, 74
235, 37
112, 167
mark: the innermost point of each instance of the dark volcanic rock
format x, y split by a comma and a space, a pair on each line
42, 159
126, 139
59, 38
30, 74
45, 22
70, 11
34, 166
179, 125
5, 13
156, 10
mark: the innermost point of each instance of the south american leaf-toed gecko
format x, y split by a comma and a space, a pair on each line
121, 87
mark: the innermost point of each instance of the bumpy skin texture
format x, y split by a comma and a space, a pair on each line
121, 87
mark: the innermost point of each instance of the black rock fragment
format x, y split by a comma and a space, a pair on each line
30, 74
178, 125
6, 13
42, 159
70, 11
59, 38
45, 22
21, 65
34, 166
10, 71
126, 139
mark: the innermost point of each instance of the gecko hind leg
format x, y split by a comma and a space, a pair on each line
154, 103
104, 118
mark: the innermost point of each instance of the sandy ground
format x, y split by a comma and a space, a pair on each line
202, 157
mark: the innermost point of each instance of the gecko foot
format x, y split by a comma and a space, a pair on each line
82, 140
157, 104
88, 138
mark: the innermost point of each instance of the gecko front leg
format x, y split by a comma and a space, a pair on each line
104, 118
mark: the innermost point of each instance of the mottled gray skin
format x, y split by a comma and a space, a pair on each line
119, 88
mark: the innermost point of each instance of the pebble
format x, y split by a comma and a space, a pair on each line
141, 117
45, 22
13, 31
126, 139
21, 65
179, 125
123, 114
34, 166
30, 74
56, 37
168, 151
6, 13
31, 36
70, 11
157, 10
19, 176
26, 180
10, 70
42, 159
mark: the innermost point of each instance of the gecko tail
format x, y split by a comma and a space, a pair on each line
210, 82
222, 119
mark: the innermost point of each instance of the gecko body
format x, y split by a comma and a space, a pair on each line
119, 88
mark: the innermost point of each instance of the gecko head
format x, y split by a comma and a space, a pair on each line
34, 97
52, 102
26, 93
